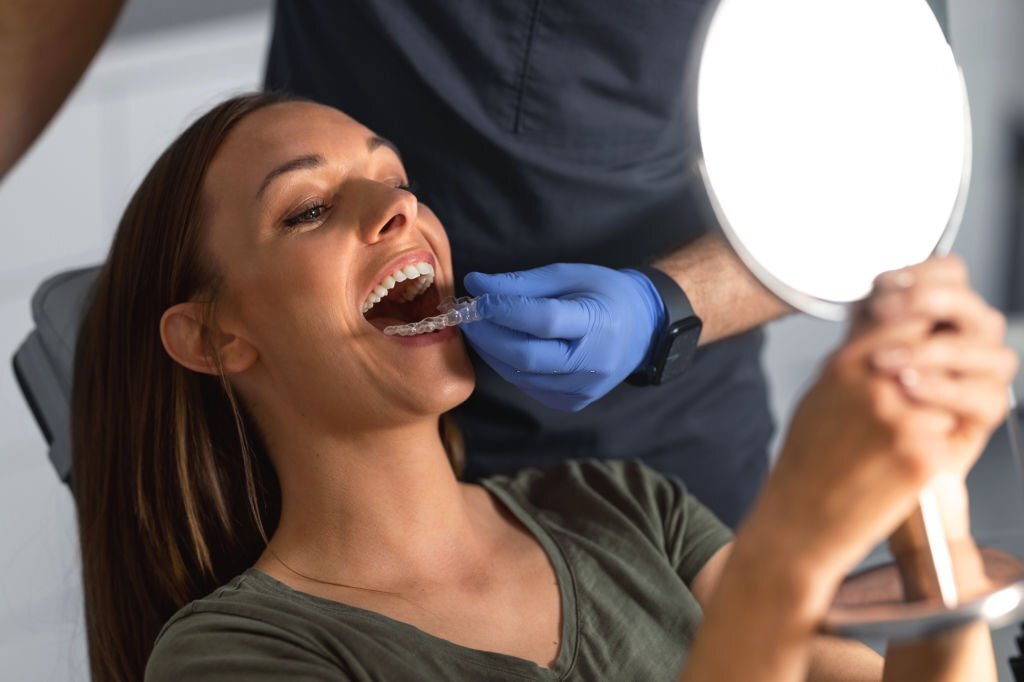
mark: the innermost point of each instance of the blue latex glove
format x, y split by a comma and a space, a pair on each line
567, 333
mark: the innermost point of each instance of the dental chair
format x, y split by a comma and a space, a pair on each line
44, 363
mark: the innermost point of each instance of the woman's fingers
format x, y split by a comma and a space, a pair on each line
857, 354
946, 372
981, 402
936, 270
944, 353
911, 291
958, 306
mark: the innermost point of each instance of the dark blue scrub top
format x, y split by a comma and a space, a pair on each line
542, 132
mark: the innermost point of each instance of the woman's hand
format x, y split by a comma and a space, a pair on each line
963, 368
909, 400
960, 365
915, 392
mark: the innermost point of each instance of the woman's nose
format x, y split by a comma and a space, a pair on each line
394, 211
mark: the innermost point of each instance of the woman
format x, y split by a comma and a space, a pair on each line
241, 423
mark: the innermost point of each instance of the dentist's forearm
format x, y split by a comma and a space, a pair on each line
724, 294
45, 47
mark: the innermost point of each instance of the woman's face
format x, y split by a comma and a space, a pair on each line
306, 220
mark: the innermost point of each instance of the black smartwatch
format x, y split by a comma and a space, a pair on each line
672, 350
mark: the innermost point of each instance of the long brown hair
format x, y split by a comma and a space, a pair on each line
167, 496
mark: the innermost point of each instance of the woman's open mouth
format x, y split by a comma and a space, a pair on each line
408, 294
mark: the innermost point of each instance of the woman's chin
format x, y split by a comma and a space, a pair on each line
460, 378
434, 387
455, 389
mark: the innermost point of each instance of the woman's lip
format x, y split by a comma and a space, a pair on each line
399, 262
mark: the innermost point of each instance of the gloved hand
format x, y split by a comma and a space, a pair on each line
567, 333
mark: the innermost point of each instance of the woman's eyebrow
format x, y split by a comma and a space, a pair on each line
298, 163
376, 142
315, 160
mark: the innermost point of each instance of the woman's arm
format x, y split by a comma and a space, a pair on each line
831, 658
962, 654
761, 618
867, 438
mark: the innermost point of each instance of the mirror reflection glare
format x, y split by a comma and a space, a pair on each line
835, 139
1000, 604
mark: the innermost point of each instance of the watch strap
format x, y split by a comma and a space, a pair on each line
673, 347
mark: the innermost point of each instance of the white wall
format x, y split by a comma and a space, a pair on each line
58, 209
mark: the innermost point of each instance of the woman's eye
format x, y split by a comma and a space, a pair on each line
309, 214
409, 187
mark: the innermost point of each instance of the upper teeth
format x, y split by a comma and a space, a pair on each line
422, 271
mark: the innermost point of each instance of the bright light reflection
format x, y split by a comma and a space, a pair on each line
834, 136
1000, 604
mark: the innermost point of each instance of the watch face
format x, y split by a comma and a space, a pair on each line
680, 345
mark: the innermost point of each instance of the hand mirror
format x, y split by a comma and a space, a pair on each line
835, 142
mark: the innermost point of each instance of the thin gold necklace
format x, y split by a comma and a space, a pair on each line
345, 585
319, 580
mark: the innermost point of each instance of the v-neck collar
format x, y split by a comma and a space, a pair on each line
568, 645
567, 648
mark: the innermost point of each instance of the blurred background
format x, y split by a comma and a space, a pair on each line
166, 63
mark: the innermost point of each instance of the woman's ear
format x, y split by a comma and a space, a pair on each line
185, 336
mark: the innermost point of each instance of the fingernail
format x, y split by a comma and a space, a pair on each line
889, 306
890, 359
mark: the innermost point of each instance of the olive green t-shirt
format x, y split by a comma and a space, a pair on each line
625, 543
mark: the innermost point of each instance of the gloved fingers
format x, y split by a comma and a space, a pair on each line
521, 351
526, 381
502, 369
546, 389
544, 318
557, 279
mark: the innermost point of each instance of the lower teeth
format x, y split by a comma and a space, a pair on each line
456, 311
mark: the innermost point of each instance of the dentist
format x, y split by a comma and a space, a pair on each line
541, 133
553, 133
